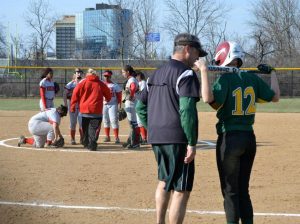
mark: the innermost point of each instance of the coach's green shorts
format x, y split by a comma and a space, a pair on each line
178, 175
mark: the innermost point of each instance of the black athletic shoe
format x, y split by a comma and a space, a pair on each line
144, 142
21, 141
133, 146
106, 139
127, 143
117, 141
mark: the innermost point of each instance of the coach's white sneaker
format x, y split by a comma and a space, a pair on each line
21, 140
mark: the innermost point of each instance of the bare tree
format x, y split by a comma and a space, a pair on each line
203, 18
145, 23
262, 48
276, 28
41, 19
193, 16
125, 30
215, 35
3, 44
20, 47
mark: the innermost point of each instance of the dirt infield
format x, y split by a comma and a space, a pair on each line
117, 186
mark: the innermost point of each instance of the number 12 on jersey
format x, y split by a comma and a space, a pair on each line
239, 96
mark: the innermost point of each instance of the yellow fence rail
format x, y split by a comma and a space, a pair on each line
70, 68
119, 68
276, 69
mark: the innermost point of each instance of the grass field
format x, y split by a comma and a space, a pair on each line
290, 105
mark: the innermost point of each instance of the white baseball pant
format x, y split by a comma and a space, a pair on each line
41, 131
110, 116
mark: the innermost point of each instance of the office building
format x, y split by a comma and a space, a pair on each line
103, 32
65, 37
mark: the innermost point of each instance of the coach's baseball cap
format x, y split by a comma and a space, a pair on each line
184, 39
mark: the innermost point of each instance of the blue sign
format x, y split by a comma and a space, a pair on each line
153, 37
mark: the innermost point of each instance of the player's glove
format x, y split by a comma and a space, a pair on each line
265, 68
122, 114
58, 143
56, 87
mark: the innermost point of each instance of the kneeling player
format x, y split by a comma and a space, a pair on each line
44, 127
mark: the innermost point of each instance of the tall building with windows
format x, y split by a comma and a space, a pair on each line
65, 37
103, 32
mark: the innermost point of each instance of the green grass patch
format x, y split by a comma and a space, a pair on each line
17, 104
290, 105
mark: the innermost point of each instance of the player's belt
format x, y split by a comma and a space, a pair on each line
49, 99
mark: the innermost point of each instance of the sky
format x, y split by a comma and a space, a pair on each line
12, 14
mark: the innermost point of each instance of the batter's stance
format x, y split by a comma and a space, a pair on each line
110, 109
234, 96
67, 98
44, 126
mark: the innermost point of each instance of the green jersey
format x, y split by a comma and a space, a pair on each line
236, 96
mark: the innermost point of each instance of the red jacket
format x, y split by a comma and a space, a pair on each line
89, 94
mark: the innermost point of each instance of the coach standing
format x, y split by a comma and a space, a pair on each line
89, 95
172, 122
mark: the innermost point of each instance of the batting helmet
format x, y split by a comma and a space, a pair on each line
227, 51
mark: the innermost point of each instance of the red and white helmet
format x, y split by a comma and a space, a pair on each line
227, 51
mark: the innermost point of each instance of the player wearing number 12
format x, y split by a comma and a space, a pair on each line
234, 96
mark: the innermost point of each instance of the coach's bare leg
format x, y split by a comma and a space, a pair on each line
178, 206
162, 198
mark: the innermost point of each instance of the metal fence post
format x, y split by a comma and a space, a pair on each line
65, 76
292, 89
25, 79
62, 91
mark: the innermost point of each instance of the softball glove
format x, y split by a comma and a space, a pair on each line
265, 68
122, 114
59, 143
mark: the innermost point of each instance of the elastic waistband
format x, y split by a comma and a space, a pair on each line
49, 99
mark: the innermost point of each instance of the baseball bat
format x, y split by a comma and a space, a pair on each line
222, 69
226, 69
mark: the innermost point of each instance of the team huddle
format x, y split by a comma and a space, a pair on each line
163, 113
88, 101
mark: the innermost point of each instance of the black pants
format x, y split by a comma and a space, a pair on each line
90, 129
235, 155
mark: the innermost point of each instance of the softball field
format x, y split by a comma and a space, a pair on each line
112, 185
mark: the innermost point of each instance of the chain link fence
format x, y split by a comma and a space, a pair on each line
24, 82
